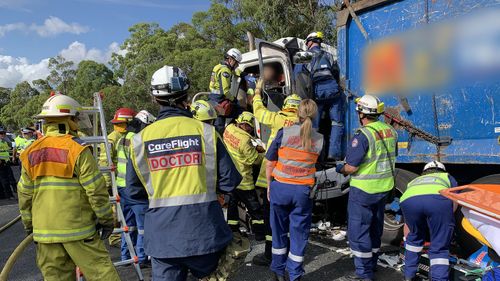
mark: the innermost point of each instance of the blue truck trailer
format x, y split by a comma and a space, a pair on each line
434, 63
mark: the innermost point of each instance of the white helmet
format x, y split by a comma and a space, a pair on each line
145, 117
58, 105
235, 54
369, 105
435, 165
169, 82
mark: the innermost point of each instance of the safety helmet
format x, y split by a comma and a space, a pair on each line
369, 105
292, 102
145, 117
2, 129
123, 115
169, 82
27, 130
203, 110
435, 165
235, 54
316, 37
58, 105
247, 118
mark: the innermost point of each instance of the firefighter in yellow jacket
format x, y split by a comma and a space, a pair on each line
287, 116
63, 198
238, 140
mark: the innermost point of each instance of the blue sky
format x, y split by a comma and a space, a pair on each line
32, 31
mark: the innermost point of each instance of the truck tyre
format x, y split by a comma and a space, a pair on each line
469, 244
393, 230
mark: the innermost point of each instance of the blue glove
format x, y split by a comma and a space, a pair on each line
339, 167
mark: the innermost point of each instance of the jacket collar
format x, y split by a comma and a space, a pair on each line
168, 111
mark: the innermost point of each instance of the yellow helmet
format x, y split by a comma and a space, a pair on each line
292, 102
247, 118
203, 110
316, 37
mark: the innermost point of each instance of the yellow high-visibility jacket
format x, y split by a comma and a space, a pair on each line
276, 121
62, 193
239, 145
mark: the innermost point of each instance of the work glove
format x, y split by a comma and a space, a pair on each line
258, 86
339, 167
106, 230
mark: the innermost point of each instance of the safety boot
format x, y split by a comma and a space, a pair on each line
261, 259
355, 277
278, 277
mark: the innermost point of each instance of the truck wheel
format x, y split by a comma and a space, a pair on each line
468, 243
393, 219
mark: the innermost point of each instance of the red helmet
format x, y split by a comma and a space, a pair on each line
123, 115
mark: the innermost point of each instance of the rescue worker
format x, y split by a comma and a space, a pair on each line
133, 210
19, 141
274, 120
5, 190
370, 161
324, 75
426, 211
28, 137
220, 87
63, 198
238, 140
292, 157
203, 111
236, 252
120, 120
177, 162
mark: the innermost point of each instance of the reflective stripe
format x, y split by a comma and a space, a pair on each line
142, 163
269, 238
374, 176
425, 181
440, 261
62, 233
94, 179
183, 200
232, 222
363, 255
210, 157
140, 231
104, 210
415, 249
338, 124
375, 250
295, 258
258, 221
280, 252
122, 160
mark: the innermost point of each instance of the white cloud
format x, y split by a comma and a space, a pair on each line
52, 26
14, 70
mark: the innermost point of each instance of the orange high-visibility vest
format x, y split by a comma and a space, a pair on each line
52, 156
295, 164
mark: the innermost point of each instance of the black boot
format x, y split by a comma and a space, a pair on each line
261, 259
354, 277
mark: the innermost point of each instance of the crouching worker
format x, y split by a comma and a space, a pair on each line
177, 163
62, 194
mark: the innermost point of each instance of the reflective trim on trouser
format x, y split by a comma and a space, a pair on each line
290, 213
424, 214
365, 227
415, 249
57, 260
280, 251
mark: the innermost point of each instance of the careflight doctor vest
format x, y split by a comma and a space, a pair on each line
375, 174
176, 160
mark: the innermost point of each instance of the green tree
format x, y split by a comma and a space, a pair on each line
25, 101
90, 77
62, 74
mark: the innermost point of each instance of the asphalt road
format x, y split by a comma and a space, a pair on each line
322, 261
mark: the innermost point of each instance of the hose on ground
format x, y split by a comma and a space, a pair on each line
10, 223
13, 258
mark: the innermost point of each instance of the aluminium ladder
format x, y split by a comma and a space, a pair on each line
102, 138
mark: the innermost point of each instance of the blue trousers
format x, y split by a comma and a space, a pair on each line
139, 213
335, 110
128, 213
291, 211
176, 269
364, 229
426, 214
